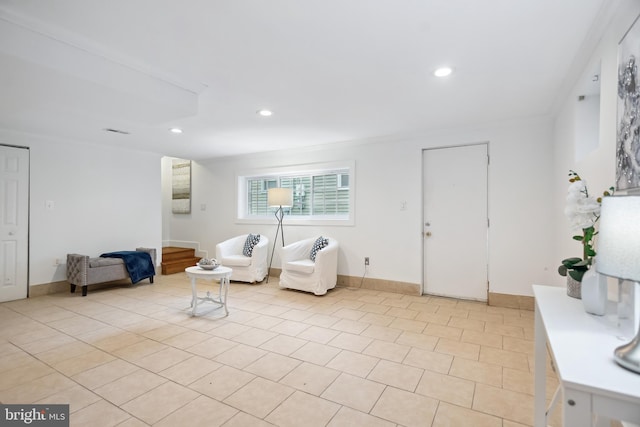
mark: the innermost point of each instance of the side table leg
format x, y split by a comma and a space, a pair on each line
194, 296
224, 282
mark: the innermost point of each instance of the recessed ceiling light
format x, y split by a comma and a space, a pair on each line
175, 130
264, 113
443, 72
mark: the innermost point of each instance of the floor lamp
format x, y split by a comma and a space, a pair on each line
280, 197
619, 256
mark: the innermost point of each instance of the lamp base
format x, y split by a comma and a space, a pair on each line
628, 355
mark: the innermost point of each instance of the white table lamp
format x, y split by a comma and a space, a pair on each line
619, 256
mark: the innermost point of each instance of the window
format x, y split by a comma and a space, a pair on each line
343, 181
320, 193
257, 194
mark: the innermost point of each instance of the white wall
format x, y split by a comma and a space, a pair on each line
106, 199
520, 235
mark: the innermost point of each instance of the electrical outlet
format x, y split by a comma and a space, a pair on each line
366, 260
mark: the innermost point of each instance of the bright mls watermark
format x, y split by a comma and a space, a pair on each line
34, 415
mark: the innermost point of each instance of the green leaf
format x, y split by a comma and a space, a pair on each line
569, 262
578, 238
576, 275
562, 270
582, 264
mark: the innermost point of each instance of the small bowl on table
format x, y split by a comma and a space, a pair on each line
206, 264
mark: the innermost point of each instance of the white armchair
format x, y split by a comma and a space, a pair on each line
301, 273
245, 269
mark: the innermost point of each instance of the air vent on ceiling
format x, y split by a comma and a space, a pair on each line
123, 132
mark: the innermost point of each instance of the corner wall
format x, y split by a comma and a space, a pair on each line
106, 199
598, 167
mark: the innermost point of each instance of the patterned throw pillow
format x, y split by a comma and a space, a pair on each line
320, 243
252, 240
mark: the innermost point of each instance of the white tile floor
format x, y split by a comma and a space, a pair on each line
133, 356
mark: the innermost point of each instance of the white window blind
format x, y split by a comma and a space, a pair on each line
318, 194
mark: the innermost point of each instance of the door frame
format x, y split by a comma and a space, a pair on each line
423, 219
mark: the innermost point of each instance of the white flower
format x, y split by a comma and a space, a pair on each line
577, 186
580, 222
589, 205
582, 211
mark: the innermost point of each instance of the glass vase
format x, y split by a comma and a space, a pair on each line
594, 292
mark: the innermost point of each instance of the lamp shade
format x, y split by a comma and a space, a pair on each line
619, 238
280, 197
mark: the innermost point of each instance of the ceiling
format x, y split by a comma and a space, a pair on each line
331, 71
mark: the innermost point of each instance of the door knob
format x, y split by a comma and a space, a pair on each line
11, 233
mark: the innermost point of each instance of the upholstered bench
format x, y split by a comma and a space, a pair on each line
83, 270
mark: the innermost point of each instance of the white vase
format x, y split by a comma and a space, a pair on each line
594, 292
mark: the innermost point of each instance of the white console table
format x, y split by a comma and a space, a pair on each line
581, 346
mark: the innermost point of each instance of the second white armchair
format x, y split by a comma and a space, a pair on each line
248, 266
310, 270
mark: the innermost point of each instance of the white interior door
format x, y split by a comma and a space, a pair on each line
456, 222
14, 222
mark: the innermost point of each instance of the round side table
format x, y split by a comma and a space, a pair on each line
221, 273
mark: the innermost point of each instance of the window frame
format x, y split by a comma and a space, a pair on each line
242, 178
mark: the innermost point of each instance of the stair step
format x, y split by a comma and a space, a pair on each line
179, 265
172, 253
176, 259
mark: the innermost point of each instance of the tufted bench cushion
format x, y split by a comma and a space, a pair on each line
104, 262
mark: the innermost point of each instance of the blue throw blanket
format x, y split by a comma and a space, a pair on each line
139, 264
